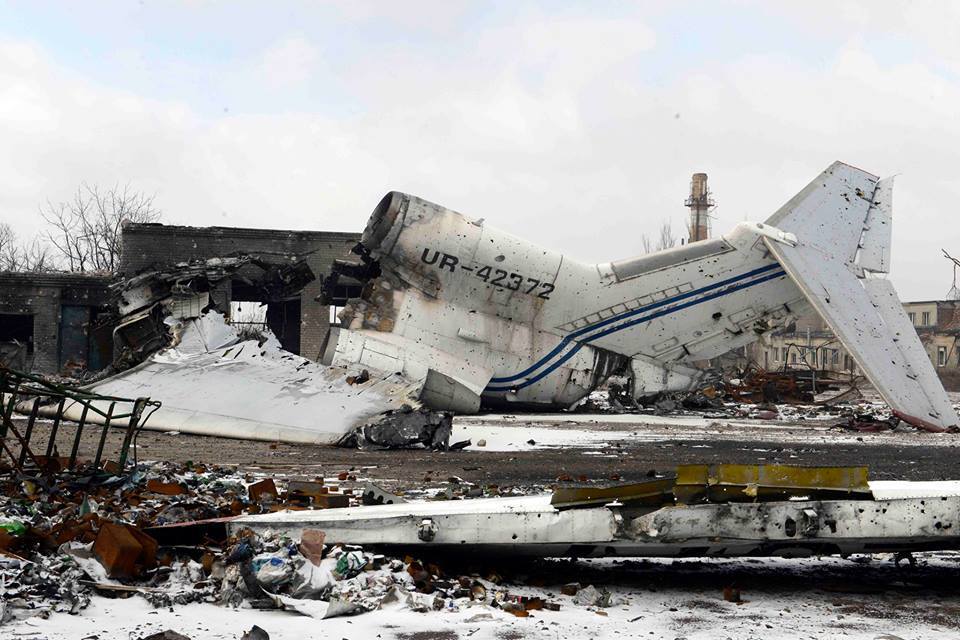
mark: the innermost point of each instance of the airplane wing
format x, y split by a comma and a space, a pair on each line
837, 240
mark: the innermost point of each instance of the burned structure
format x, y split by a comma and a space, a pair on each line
50, 322
299, 321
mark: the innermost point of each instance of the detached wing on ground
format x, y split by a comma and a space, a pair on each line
836, 246
212, 385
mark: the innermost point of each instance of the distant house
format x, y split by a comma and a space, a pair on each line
809, 343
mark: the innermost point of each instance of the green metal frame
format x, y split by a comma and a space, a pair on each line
26, 394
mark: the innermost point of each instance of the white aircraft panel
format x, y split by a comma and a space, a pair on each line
890, 308
829, 213
873, 338
875, 242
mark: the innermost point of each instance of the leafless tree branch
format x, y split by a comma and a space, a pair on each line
86, 231
17, 256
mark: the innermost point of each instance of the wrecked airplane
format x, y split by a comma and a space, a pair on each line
455, 315
481, 318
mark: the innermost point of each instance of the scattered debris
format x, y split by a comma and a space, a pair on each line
403, 428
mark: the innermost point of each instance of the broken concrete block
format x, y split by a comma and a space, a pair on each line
169, 634
311, 545
256, 633
259, 491
590, 596
165, 488
118, 550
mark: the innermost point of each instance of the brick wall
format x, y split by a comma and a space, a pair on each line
42, 295
146, 245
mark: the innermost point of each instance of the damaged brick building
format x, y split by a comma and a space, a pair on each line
301, 323
50, 322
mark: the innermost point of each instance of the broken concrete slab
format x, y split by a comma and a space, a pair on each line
124, 551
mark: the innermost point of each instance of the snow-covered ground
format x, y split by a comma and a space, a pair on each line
505, 432
782, 598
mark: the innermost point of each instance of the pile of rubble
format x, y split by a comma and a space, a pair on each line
62, 541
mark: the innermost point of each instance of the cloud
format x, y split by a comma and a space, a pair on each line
291, 61
576, 131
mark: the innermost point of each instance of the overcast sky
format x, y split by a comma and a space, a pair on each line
574, 125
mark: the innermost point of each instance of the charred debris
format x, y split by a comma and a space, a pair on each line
148, 305
155, 309
333, 545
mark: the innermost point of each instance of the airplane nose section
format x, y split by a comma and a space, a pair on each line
384, 219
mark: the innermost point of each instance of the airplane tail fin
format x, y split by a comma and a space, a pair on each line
844, 212
837, 242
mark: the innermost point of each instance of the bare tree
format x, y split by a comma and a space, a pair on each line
667, 239
86, 231
646, 244
8, 243
14, 256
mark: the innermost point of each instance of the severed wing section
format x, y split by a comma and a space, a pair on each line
838, 240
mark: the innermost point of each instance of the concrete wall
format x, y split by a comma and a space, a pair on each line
147, 245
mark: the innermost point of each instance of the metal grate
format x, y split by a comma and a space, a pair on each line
27, 395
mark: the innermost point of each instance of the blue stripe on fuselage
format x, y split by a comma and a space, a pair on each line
567, 339
635, 322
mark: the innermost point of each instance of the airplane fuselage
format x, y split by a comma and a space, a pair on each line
545, 329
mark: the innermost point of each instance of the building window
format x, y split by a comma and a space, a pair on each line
925, 319
813, 356
16, 340
913, 318
793, 358
18, 328
836, 356
941, 356
766, 359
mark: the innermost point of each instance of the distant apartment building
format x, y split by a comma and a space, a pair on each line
810, 344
